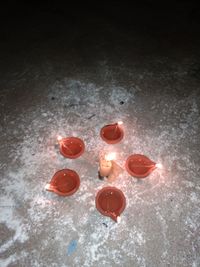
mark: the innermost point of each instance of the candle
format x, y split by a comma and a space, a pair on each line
105, 167
106, 164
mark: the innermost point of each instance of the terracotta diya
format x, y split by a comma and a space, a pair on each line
112, 133
71, 147
110, 202
139, 166
64, 183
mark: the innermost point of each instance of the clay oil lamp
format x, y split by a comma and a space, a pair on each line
140, 166
71, 147
110, 202
64, 183
112, 133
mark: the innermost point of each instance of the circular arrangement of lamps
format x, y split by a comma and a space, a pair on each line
110, 201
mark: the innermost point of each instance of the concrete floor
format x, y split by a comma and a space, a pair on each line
66, 78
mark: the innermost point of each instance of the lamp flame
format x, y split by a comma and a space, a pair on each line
110, 156
47, 186
119, 219
120, 122
59, 138
159, 166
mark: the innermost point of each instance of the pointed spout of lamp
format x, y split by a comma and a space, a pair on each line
49, 187
115, 216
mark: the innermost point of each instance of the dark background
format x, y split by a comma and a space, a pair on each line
174, 22
74, 37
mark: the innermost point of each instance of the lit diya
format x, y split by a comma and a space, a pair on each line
140, 166
71, 147
111, 202
112, 133
64, 183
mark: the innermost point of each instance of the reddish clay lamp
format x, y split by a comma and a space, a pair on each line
71, 147
64, 183
140, 166
112, 133
110, 202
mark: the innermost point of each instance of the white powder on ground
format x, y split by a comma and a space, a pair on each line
49, 222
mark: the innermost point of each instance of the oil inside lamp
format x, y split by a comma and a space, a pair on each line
112, 133
71, 147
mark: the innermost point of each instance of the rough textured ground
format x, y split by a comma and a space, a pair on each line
73, 82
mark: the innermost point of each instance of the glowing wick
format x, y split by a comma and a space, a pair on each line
120, 122
50, 187
110, 156
47, 186
159, 166
119, 219
59, 138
